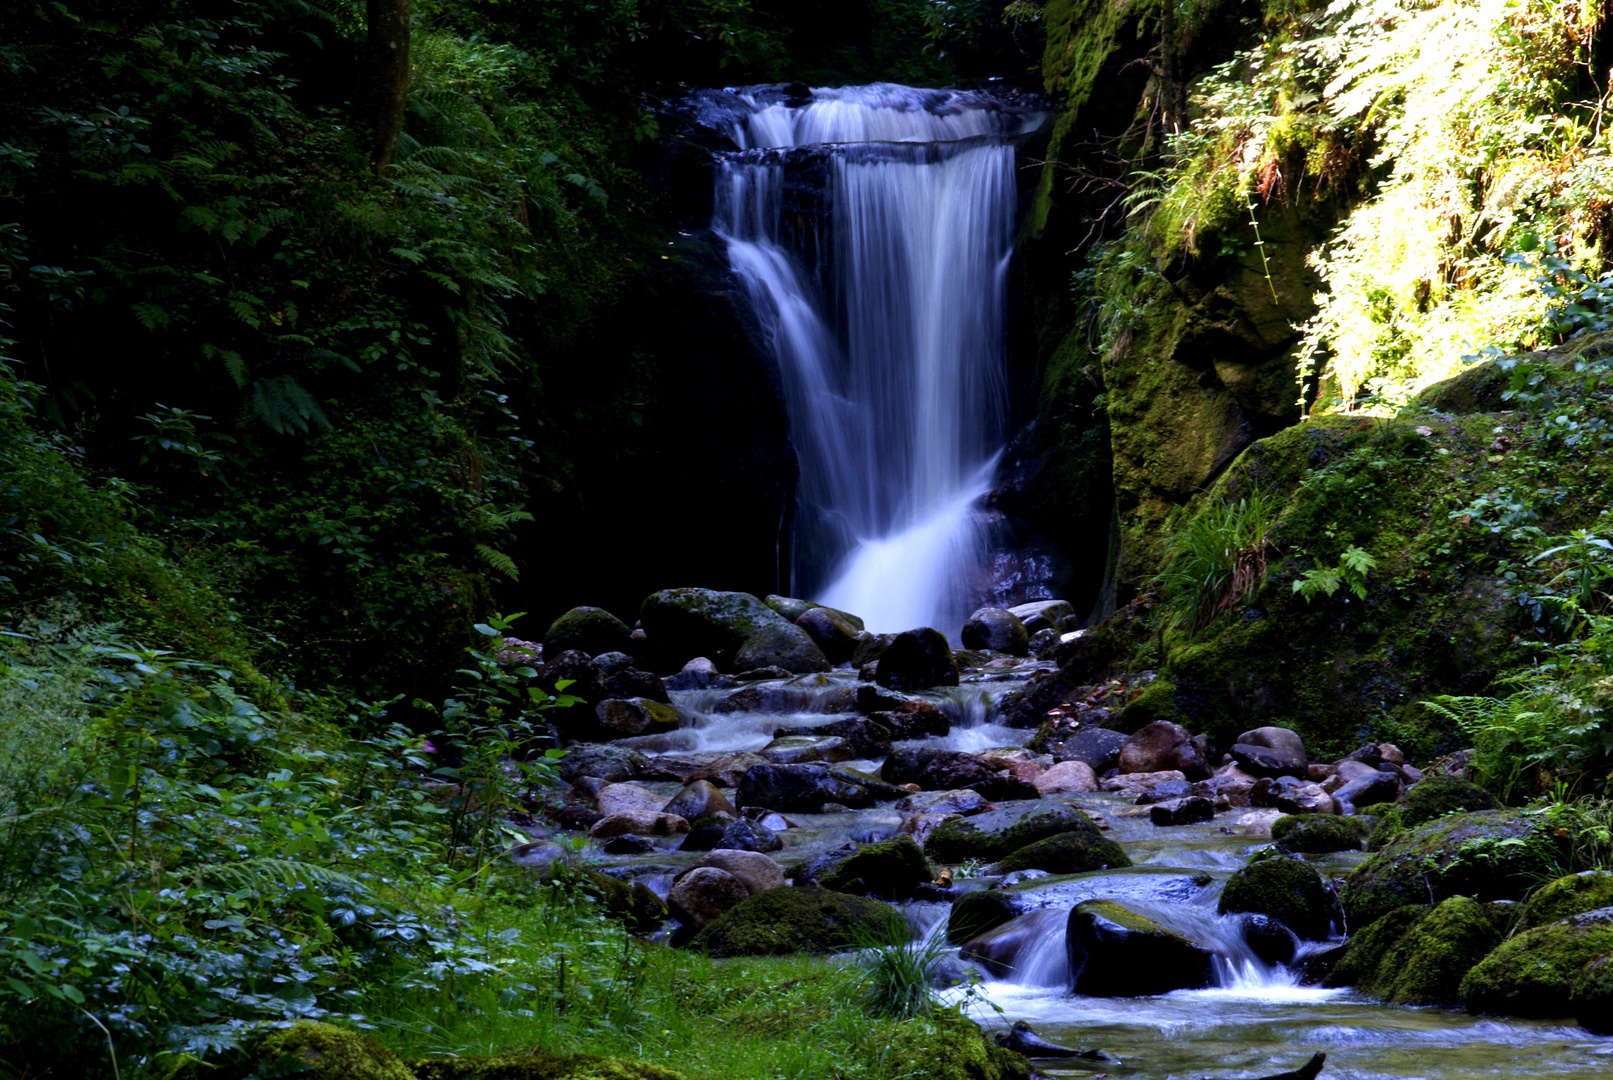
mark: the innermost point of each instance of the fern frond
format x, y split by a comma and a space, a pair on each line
499, 561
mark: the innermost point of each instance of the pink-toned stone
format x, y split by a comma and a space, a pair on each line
1067, 778
639, 824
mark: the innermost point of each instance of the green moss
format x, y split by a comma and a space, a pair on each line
975, 913
638, 908
1067, 853
1571, 895
941, 1046
1427, 964
540, 1067
792, 920
1368, 946
323, 1052
1318, 834
1533, 974
1440, 795
1285, 889
1593, 996
963, 839
1123, 916
1156, 702
889, 869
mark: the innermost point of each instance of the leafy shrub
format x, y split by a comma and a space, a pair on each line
1216, 557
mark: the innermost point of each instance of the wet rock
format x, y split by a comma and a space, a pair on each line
685, 623
997, 629
1269, 939
1265, 761
603, 760
798, 749
1534, 973
726, 770
628, 844
1075, 852
1163, 746
806, 788
1115, 952
779, 699
611, 662
633, 683
997, 833
761, 673
756, 871
587, 681
789, 607
1136, 785
588, 630
1592, 996
698, 674
1318, 834
697, 800
870, 647
1285, 889
1566, 897
627, 799
800, 920
1043, 642
1039, 615
1187, 811
932, 768
1348, 770
1381, 787
979, 912
745, 835
1282, 743
866, 737
1165, 791
873, 698
706, 833
1098, 748
640, 823
963, 801
916, 720
624, 718
833, 633
915, 660
890, 870
1306, 799
1022, 1040
922, 825
781, 645
704, 893
1440, 795
1419, 955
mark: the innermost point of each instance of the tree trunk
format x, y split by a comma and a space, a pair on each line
384, 77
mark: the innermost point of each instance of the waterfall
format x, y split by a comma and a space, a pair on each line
872, 227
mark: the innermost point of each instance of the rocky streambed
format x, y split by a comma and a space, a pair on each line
1186, 909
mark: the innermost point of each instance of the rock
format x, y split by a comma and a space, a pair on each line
932, 768
1465, 854
1269, 939
756, 871
1162, 746
979, 912
1534, 973
865, 737
1115, 952
921, 826
698, 674
628, 844
609, 763
685, 623
1305, 799
964, 801
699, 799
1439, 795
1021, 1039
1041, 615
1136, 785
789, 607
768, 698
833, 633
806, 788
1419, 955
1318, 834
997, 833
706, 833
1076, 852
623, 719
1381, 787
1390, 753
639, 823
1285, 889
1165, 791
889, 870
587, 681
588, 630
1258, 823
1098, 748
609, 663
725, 770
627, 799
1592, 997
782, 921
702, 894
997, 629
921, 720
917, 659
1567, 896
1067, 778
1280, 750
781, 645
745, 835
799, 749
1043, 642
633, 905
633, 683
870, 647
1348, 770
1186, 811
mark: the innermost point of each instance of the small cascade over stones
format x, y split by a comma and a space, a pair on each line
872, 227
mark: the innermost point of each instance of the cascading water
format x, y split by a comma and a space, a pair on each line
872, 227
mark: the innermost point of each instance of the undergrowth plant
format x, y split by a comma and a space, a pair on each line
1215, 556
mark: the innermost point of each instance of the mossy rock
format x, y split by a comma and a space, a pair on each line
589, 629
1593, 996
1534, 973
1156, 702
1386, 824
1440, 795
1075, 852
1318, 834
634, 905
315, 1052
998, 833
1367, 947
1285, 889
980, 912
1571, 895
1488, 855
1114, 951
941, 1045
890, 869
1427, 964
540, 1067
799, 920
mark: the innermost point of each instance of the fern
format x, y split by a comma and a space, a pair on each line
252, 874
499, 561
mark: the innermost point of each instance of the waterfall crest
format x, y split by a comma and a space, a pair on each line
872, 227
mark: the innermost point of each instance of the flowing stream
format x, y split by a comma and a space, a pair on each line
872, 227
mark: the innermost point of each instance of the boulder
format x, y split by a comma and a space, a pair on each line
612, 662
745, 835
889, 870
706, 833
1115, 952
934, 769
589, 630
997, 629
963, 802
833, 633
634, 905
1440, 795
777, 698
1185, 811
1136, 785
698, 674
1566, 897
1269, 939
628, 844
917, 659
586, 680
1380, 787
1419, 955
628, 799
1285, 889
917, 722
1271, 751
866, 737
755, 870
624, 718
800, 920
922, 825
799, 749
685, 623
1297, 798
1166, 791
1162, 746
1098, 748
997, 833
1592, 997
633, 683
979, 912
1067, 778
1318, 834
1534, 973
1039, 615
724, 770
699, 799
788, 606
639, 824
603, 760
781, 645
1075, 852
870, 647
702, 894
806, 788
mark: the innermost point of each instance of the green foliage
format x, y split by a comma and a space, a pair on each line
900, 975
1215, 558
1354, 566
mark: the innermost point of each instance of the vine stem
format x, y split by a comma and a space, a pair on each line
1260, 244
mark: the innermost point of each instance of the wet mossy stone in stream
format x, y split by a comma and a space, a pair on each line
1075, 852
800, 920
681, 624
1571, 895
309, 1050
587, 629
781, 645
1287, 890
1318, 834
979, 912
1367, 946
940, 1045
998, 833
539, 1067
1116, 952
1534, 973
1433, 952
1437, 796
916, 660
890, 870
1488, 855
1592, 996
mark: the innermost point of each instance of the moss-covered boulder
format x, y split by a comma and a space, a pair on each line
1116, 952
976, 913
539, 1067
1073, 852
587, 629
890, 869
1425, 965
314, 1052
1440, 795
1287, 890
1488, 855
1318, 834
1593, 996
799, 920
781, 645
681, 624
915, 660
1571, 895
1368, 946
1534, 973
940, 1045
998, 833
634, 905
